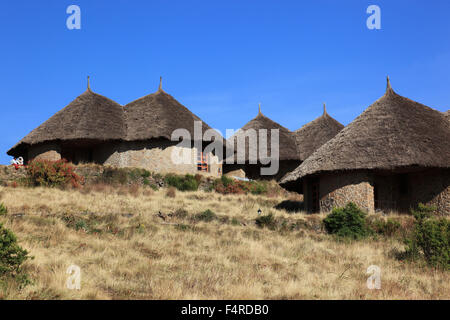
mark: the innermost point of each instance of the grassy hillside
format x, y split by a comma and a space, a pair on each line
137, 243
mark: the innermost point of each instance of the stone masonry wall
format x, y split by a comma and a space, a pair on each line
432, 188
336, 190
154, 156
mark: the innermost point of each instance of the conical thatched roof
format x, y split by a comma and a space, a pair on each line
287, 145
315, 133
157, 115
393, 132
89, 116
95, 117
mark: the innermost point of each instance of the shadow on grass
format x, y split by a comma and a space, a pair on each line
290, 206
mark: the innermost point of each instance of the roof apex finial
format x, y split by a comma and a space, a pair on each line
88, 83
388, 85
160, 83
324, 108
259, 108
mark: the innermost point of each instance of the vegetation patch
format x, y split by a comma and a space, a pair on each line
206, 216
52, 173
430, 239
388, 227
267, 221
348, 222
227, 185
12, 257
3, 209
187, 182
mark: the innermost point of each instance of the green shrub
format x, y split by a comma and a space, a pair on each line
206, 216
12, 256
3, 209
258, 188
430, 239
266, 221
347, 222
182, 183
52, 173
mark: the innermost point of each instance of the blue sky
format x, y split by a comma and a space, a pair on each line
220, 58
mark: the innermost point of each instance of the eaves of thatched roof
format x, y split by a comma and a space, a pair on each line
394, 132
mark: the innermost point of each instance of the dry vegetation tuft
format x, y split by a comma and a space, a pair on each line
137, 243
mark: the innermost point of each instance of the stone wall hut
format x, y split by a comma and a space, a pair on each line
391, 157
95, 129
76, 131
288, 154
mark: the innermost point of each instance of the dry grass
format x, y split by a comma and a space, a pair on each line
125, 251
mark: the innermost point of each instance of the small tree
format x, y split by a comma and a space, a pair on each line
12, 256
347, 222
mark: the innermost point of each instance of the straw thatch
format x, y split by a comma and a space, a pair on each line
287, 144
447, 114
94, 117
90, 116
394, 132
157, 115
314, 134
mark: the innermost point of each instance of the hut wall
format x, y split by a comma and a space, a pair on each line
336, 190
47, 151
431, 188
153, 155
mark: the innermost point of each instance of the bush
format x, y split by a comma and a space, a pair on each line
348, 222
206, 216
183, 183
430, 238
226, 185
258, 188
52, 173
266, 221
12, 256
3, 209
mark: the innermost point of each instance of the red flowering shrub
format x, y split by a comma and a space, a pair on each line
52, 173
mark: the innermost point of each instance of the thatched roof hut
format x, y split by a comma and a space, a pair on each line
287, 144
250, 161
315, 133
393, 156
157, 115
393, 132
89, 117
